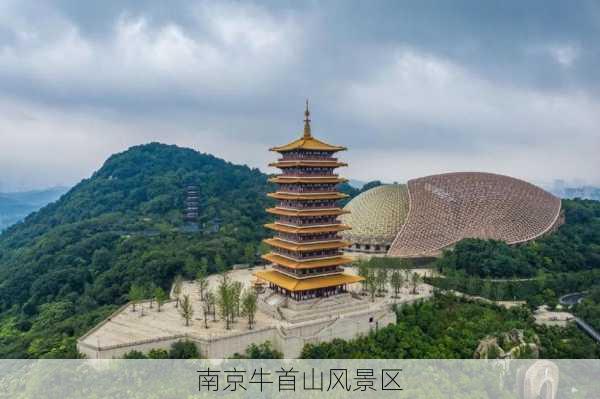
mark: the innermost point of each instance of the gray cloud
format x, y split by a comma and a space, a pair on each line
410, 88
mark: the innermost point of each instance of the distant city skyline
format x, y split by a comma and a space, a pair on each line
412, 89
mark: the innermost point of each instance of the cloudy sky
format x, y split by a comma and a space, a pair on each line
412, 88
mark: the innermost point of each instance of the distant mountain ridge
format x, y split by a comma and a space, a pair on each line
15, 206
583, 192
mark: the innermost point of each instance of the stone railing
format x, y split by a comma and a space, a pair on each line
134, 343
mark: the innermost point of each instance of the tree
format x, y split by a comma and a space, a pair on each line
382, 278
396, 280
372, 284
158, 354
226, 300
415, 280
249, 306
135, 295
202, 283
220, 264
184, 350
134, 355
236, 296
177, 287
160, 296
250, 254
363, 271
487, 289
500, 291
149, 292
260, 351
186, 310
205, 312
211, 303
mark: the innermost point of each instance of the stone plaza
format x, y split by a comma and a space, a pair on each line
286, 323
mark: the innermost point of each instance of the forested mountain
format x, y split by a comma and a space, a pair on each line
450, 327
67, 265
15, 206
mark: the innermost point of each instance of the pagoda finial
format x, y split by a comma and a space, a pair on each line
307, 122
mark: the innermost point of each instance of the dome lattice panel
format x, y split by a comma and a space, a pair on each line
448, 207
376, 215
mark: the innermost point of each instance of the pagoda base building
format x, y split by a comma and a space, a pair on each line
306, 257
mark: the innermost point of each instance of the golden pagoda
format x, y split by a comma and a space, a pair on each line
306, 254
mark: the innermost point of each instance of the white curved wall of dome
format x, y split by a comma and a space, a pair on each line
376, 216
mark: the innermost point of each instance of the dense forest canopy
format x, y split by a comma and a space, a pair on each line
449, 327
589, 308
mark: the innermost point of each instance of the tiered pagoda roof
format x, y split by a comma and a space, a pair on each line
295, 285
308, 179
307, 142
307, 247
305, 229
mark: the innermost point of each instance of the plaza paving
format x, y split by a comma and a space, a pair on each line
148, 324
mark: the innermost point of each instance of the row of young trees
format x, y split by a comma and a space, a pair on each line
139, 293
377, 275
229, 300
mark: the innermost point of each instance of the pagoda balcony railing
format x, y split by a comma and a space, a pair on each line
316, 174
285, 190
310, 241
306, 158
304, 206
299, 256
307, 239
309, 272
290, 223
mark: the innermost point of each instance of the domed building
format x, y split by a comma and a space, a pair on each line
429, 214
376, 216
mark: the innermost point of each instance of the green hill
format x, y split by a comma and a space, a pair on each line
69, 264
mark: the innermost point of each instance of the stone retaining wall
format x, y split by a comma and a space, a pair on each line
289, 339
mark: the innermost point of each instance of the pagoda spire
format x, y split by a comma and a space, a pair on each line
307, 134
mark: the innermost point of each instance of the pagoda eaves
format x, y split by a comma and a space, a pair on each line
306, 254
